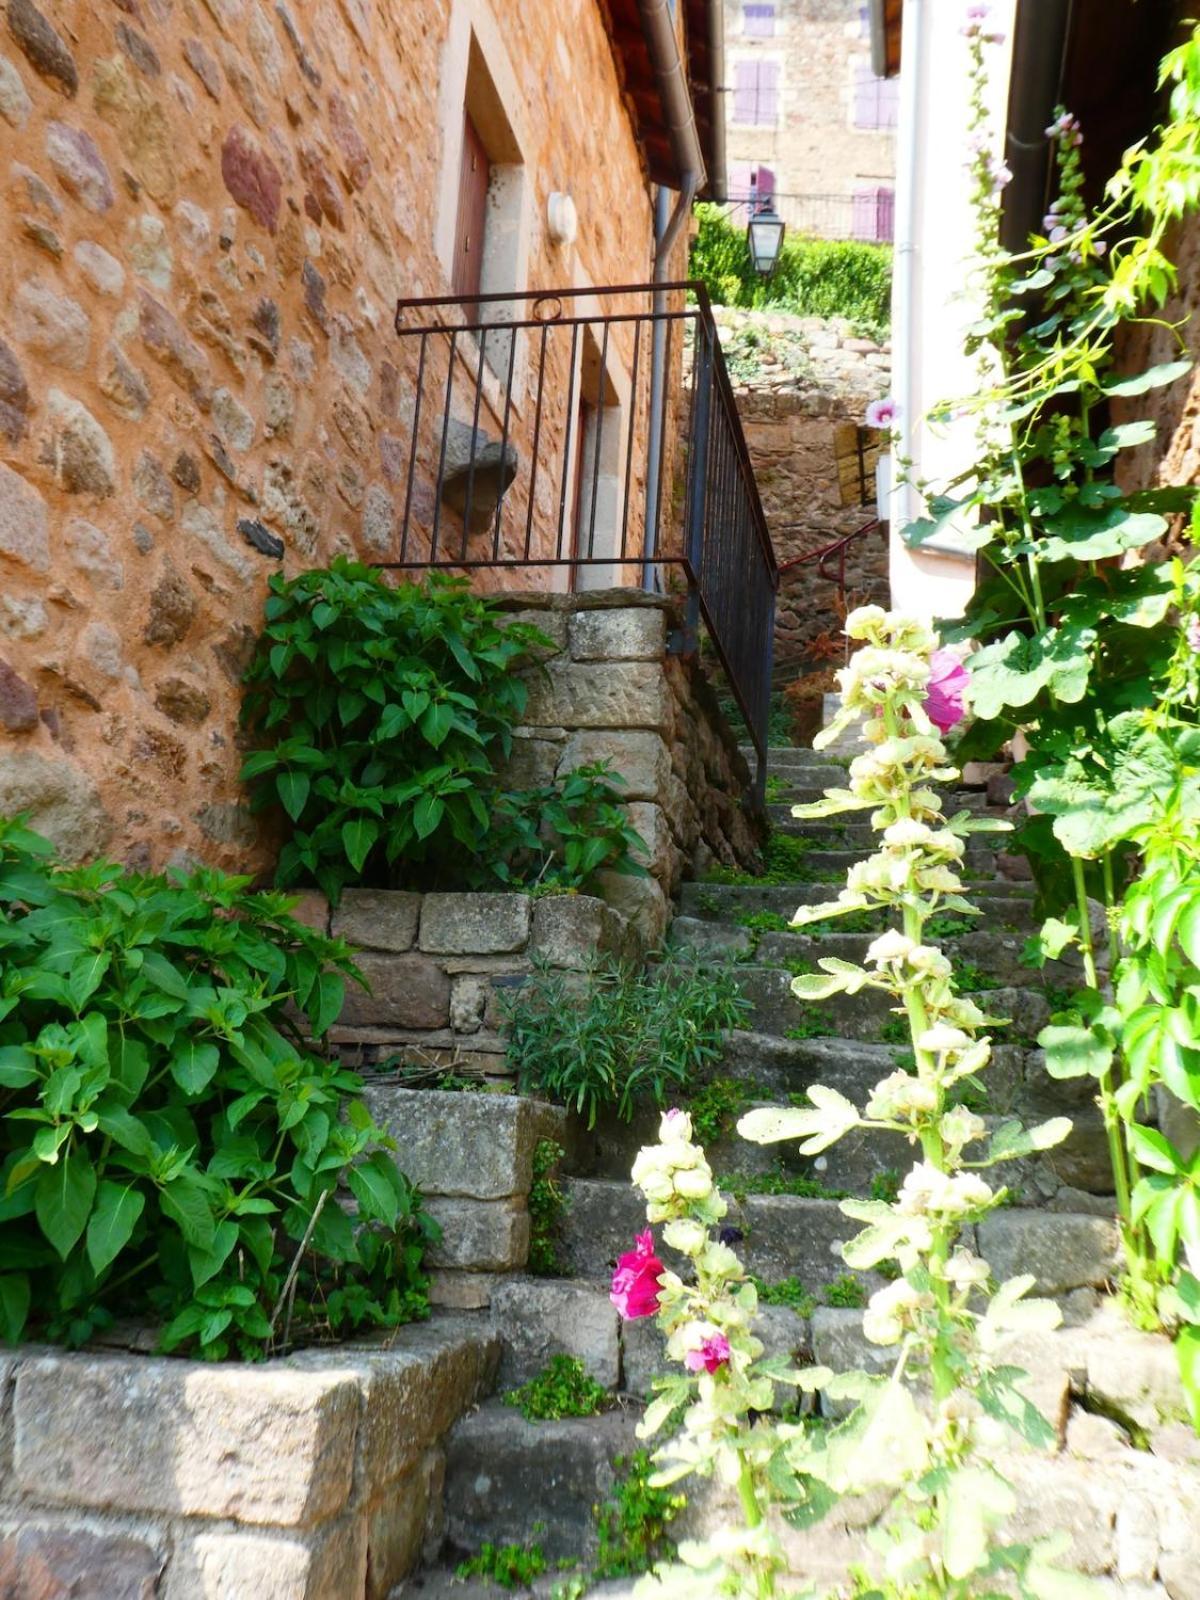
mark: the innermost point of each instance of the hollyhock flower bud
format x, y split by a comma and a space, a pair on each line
694, 1183
945, 703
710, 1355
686, 1236
940, 1039
889, 947
635, 1282
675, 1127
964, 1270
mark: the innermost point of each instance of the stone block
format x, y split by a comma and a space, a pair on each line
571, 930
66, 1563
262, 1445
469, 1146
635, 633
398, 1522
531, 763
468, 1002
618, 694
1063, 1251
378, 919
236, 1565
541, 1317
641, 901
660, 854
641, 758
463, 1291
475, 924
406, 991
480, 1235
312, 909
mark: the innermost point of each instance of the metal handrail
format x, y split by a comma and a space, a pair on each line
527, 420
824, 554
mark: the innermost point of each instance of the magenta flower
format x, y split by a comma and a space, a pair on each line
712, 1354
1193, 634
635, 1282
881, 413
945, 704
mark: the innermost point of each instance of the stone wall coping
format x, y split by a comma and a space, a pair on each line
586, 600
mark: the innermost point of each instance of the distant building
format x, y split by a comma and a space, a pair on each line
809, 122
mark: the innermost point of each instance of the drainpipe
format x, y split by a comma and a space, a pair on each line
659, 26
1040, 36
904, 267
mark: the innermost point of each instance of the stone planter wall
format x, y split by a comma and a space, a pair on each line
612, 691
315, 1478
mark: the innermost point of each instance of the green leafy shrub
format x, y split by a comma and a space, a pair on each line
562, 1389
512, 1566
815, 277
382, 712
170, 1145
632, 1522
547, 1207
626, 1035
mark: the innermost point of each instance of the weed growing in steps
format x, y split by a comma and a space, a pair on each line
547, 1206
561, 1389
632, 1522
512, 1566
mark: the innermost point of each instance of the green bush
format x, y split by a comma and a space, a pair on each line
562, 1389
382, 711
171, 1147
815, 277
626, 1037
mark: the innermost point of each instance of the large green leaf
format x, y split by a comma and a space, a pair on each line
63, 1199
1152, 378
1013, 671
194, 1064
293, 790
14, 1305
358, 839
118, 1207
1082, 535
1073, 1051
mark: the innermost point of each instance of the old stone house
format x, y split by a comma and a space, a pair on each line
210, 212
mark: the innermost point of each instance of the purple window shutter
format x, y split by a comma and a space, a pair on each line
866, 98
768, 92
740, 180
758, 21
765, 183
745, 90
865, 214
889, 102
885, 215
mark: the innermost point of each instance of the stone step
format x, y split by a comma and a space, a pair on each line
1005, 902
509, 1481
783, 758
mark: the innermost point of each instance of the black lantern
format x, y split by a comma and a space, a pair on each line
764, 235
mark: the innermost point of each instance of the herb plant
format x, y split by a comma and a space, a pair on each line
172, 1146
625, 1036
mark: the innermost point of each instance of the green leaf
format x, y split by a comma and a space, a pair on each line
185, 1202
358, 839
111, 1226
328, 998
1153, 1149
374, 1190
293, 789
14, 1305
1073, 1051
975, 1497
17, 1067
1187, 1353
194, 1065
427, 814
63, 1200
830, 1116
163, 975
1152, 378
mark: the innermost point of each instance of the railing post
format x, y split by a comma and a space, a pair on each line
697, 495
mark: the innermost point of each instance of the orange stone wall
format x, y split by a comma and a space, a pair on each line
208, 213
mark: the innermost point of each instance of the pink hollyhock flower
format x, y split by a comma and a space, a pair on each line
712, 1354
881, 413
948, 679
635, 1282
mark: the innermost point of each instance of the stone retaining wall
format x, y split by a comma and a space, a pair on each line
316, 1478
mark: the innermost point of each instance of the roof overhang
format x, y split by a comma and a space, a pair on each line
886, 19
640, 83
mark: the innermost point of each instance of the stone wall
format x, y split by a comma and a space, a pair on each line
315, 1478
208, 213
811, 379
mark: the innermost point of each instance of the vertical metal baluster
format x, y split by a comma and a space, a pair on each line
537, 441
512, 356
633, 410
466, 516
566, 460
412, 450
437, 502
600, 408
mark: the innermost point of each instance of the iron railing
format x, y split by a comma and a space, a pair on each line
530, 455
868, 214
830, 560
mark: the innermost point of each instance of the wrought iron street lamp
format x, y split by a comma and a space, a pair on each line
764, 235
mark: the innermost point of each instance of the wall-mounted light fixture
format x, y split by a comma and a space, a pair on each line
562, 219
764, 235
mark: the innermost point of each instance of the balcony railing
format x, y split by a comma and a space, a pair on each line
529, 452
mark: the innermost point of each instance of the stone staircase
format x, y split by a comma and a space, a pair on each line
513, 1481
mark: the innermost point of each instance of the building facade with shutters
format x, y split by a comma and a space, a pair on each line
809, 123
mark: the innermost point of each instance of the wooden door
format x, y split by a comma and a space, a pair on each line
473, 182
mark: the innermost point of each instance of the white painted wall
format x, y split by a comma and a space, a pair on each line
930, 308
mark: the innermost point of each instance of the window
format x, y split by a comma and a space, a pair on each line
756, 92
474, 178
758, 21
750, 182
874, 215
876, 100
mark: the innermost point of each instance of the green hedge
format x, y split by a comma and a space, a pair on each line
815, 277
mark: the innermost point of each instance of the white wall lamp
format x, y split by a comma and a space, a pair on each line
562, 219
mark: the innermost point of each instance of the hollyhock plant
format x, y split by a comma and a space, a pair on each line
881, 413
710, 1355
945, 704
635, 1282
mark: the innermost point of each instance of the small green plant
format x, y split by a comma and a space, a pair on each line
784, 863
715, 1106
627, 1036
885, 1186
512, 1566
796, 1184
845, 1291
946, 927
777, 788
707, 904
547, 1206
562, 1389
762, 921
787, 1292
973, 980
810, 1026
172, 1146
632, 1522
560, 835
894, 1031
